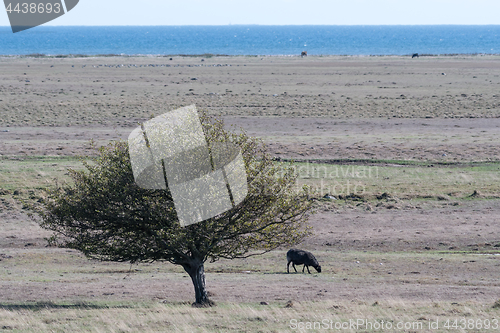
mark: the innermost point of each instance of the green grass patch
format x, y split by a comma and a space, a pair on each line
402, 180
35, 172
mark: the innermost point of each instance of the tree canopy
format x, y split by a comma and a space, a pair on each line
106, 216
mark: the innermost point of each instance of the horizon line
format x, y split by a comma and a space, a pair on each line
264, 25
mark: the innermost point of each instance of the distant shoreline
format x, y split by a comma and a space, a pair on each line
210, 55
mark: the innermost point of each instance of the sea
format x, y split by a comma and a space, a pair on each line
252, 40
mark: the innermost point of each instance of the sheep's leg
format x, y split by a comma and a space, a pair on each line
288, 267
308, 270
293, 265
303, 268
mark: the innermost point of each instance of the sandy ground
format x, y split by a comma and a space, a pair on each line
121, 91
426, 109
444, 140
315, 107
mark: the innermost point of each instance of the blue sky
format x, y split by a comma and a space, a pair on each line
278, 12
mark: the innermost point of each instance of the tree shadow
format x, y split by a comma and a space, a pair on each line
273, 273
51, 305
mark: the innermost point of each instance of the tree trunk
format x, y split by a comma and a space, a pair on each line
196, 271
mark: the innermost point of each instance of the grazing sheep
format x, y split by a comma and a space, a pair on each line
303, 54
299, 257
415, 55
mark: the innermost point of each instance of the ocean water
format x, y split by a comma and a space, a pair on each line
252, 40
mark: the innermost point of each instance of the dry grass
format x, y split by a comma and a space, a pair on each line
243, 317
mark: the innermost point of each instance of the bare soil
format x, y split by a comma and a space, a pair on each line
435, 255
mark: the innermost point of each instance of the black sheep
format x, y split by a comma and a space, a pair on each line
300, 257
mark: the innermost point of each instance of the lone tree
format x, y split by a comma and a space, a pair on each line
106, 216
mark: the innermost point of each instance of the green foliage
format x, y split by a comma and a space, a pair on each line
105, 215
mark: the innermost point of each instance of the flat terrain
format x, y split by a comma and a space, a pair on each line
415, 140
121, 91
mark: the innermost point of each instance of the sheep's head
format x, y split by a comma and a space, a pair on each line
318, 268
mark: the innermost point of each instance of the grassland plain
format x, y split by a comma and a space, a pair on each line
407, 149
